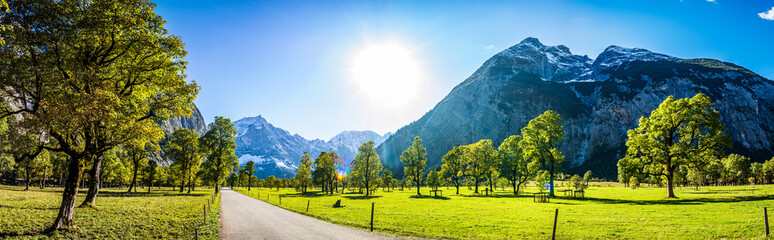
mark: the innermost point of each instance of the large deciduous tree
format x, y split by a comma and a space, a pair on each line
454, 166
514, 165
482, 161
304, 174
541, 142
248, 170
183, 149
136, 154
679, 133
414, 159
92, 75
368, 165
324, 171
219, 146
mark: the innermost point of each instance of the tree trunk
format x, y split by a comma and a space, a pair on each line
27, 179
670, 184
65, 218
91, 196
134, 178
476, 183
515, 187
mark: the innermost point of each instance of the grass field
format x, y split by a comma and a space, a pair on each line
161, 214
606, 213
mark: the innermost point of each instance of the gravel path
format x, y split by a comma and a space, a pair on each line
243, 217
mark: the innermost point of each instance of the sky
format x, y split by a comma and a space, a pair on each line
296, 63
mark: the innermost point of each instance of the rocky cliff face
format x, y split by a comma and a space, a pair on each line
598, 99
195, 122
276, 152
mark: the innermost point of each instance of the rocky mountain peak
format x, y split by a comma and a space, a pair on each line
551, 63
615, 56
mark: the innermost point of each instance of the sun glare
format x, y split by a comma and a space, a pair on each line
387, 74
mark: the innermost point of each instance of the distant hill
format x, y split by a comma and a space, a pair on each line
599, 100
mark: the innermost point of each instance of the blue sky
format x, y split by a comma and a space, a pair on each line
291, 61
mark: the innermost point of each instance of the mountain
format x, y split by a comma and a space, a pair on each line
195, 122
347, 142
276, 152
599, 100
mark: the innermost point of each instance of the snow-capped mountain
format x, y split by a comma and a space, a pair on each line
599, 100
277, 152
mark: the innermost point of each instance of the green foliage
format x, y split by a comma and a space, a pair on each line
588, 176
218, 145
367, 166
541, 138
387, 177
183, 149
92, 75
454, 166
324, 172
414, 159
514, 165
634, 182
685, 132
433, 180
737, 166
304, 174
578, 183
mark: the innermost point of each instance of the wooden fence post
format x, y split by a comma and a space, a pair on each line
307, 205
204, 210
196, 233
766, 220
372, 217
280, 200
556, 215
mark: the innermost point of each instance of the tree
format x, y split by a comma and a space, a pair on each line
588, 176
634, 182
541, 139
23, 146
137, 153
219, 145
271, 182
737, 166
482, 161
304, 174
324, 171
514, 165
684, 132
387, 178
183, 149
92, 75
367, 165
151, 170
433, 180
578, 183
414, 160
454, 166
248, 170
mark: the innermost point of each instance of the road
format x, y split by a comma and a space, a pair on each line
243, 217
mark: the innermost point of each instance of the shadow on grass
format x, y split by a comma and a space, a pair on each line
361, 197
679, 201
430, 197
152, 194
4, 235
32, 208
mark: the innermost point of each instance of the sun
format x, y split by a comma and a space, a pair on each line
387, 74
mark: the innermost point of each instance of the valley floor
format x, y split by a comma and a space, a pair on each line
609, 211
243, 217
163, 213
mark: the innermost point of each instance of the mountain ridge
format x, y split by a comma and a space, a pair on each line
598, 99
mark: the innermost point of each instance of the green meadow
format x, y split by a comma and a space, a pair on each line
608, 211
163, 213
